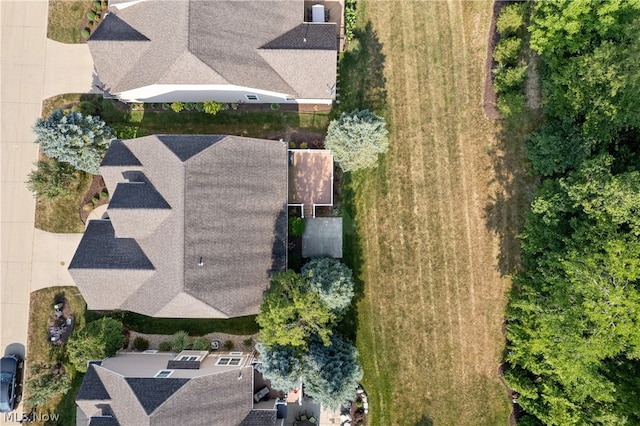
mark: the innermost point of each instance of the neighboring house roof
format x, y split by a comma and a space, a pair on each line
197, 225
260, 44
212, 395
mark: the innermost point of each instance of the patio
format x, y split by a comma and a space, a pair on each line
310, 179
322, 237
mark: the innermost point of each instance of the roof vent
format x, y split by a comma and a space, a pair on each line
201, 263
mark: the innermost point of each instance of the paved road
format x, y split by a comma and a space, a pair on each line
32, 68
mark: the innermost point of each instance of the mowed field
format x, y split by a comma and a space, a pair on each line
434, 224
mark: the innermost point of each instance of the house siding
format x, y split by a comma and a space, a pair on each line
203, 93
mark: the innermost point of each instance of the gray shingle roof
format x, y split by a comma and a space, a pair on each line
307, 36
212, 43
99, 249
92, 387
118, 154
151, 392
219, 398
115, 29
103, 421
137, 195
228, 208
260, 418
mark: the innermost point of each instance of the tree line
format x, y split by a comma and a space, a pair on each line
573, 319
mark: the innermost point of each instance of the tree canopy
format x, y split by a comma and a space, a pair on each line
573, 319
96, 341
356, 139
291, 313
281, 365
331, 280
332, 372
80, 140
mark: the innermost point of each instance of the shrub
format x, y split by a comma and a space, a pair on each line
350, 19
97, 340
140, 344
511, 19
507, 51
164, 347
52, 179
199, 107
201, 344
296, 226
128, 132
104, 194
177, 106
46, 382
86, 32
189, 106
91, 15
509, 78
95, 200
180, 341
275, 107
356, 139
97, 4
292, 145
234, 105
228, 345
166, 106
212, 107
87, 207
510, 104
105, 4
304, 145
247, 342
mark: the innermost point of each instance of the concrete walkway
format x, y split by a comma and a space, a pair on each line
32, 68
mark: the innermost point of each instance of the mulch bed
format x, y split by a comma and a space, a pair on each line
97, 186
60, 324
490, 99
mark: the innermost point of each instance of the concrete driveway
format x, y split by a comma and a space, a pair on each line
32, 68
69, 69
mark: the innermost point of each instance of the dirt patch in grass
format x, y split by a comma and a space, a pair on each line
65, 20
490, 98
430, 257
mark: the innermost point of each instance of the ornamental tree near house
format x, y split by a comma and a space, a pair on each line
281, 365
291, 313
332, 372
331, 280
98, 340
80, 140
356, 139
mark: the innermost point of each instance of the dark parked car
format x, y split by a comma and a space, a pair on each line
10, 376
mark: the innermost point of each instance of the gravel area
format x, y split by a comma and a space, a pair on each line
238, 341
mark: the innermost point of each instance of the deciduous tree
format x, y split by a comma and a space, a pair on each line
96, 341
291, 313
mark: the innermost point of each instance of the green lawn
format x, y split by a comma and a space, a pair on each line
430, 233
65, 18
61, 215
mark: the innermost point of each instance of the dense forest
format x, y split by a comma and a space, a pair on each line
573, 320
